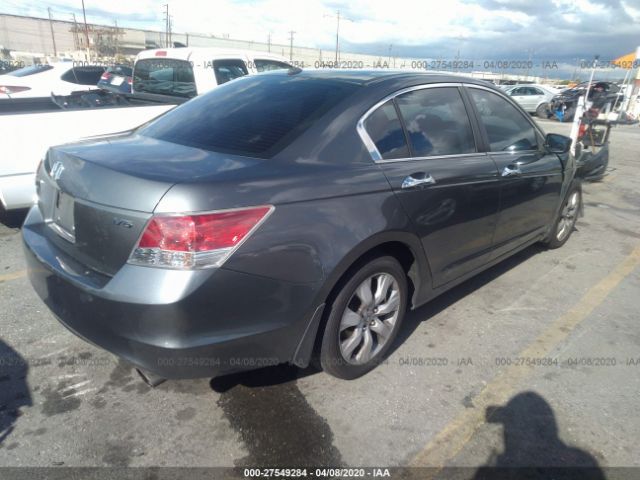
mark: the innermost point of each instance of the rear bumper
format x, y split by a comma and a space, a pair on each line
172, 323
18, 191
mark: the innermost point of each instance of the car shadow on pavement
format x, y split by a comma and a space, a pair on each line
424, 313
532, 448
14, 390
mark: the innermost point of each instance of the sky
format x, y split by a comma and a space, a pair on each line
564, 31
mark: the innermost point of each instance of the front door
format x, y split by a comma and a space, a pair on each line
448, 189
530, 177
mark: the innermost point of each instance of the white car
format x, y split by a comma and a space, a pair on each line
532, 98
60, 78
187, 72
176, 72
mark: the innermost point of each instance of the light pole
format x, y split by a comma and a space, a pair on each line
291, 33
166, 25
86, 29
53, 37
337, 17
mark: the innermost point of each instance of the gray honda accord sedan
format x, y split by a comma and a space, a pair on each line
291, 215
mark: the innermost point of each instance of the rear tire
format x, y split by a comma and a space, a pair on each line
566, 220
364, 318
543, 111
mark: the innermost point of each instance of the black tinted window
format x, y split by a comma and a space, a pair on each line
121, 70
227, 70
267, 65
254, 116
30, 70
164, 76
507, 128
83, 75
384, 128
436, 122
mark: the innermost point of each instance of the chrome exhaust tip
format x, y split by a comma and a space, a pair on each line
149, 378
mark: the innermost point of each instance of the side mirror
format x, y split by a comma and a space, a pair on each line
555, 143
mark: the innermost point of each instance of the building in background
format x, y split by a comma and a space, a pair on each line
32, 39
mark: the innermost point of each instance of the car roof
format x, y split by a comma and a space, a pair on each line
380, 76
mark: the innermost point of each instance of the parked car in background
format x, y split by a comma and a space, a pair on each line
563, 105
288, 211
532, 98
29, 133
62, 78
7, 66
187, 72
117, 79
162, 77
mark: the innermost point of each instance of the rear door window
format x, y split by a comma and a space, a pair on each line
164, 76
506, 127
436, 121
228, 69
384, 128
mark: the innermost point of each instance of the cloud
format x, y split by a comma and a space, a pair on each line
561, 30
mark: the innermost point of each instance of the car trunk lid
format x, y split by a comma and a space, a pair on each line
97, 201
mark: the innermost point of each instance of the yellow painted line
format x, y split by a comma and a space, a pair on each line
450, 440
13, 275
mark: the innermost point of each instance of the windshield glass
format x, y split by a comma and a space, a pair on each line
254, 116
164, 76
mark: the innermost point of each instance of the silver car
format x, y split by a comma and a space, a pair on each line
532, 98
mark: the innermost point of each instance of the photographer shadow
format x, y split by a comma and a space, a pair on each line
14, 390
532, 448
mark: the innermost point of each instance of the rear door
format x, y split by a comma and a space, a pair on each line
425, 143
530, 177
537, 96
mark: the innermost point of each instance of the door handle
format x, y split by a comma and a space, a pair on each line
419, 178
511, 170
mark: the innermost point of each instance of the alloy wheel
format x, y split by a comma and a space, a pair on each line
369, 318
568, 216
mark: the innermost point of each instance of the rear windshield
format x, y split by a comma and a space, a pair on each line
31, 70
121, 70
253, 116
89, 75
164, 76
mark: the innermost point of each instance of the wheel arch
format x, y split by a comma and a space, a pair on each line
405, 247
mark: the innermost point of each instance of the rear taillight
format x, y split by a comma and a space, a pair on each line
105, 76
8, 89
130, 80
196, 241
582, 129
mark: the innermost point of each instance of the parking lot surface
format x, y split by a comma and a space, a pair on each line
533, 362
